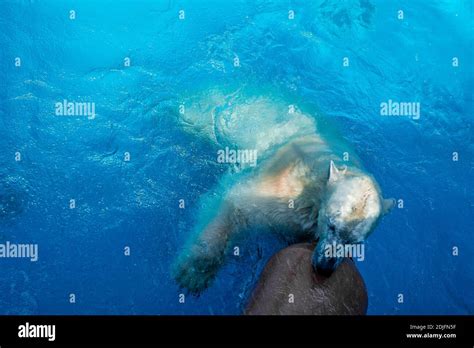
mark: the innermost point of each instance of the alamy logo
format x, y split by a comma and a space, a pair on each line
12, 250
237, 156
355, 251
67, 108
37, 331
393, 108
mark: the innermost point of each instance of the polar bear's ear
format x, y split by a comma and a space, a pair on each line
334, 172
387, 205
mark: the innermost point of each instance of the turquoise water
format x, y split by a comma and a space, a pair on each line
135, 203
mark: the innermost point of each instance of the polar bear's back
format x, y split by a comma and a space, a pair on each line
245, 118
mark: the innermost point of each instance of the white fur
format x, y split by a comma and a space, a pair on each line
354, 204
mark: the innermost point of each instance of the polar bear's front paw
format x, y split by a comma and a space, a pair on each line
195, 272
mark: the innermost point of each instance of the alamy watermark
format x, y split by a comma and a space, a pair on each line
355, 251
241, 156
394, 108
28, 330
68, 108
12, 250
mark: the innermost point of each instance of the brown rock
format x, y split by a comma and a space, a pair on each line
289, 272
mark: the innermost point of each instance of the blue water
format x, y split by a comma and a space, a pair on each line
135, 203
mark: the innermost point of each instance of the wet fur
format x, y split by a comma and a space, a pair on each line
297, 171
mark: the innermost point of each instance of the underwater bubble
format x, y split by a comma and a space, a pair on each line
12, 198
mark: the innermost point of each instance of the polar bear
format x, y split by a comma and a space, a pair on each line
308, 184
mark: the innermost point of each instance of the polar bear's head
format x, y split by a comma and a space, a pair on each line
349, 213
